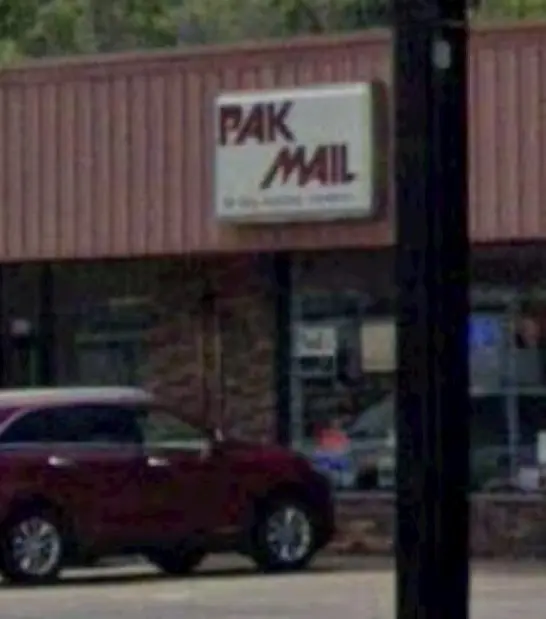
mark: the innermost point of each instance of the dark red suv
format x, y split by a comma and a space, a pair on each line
88, 472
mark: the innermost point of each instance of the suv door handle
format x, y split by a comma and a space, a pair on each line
156, 463
59, 462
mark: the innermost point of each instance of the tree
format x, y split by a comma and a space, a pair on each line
35, 28
38, 28
511, 9
234, 20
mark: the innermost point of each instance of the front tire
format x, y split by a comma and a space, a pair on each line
177, 562
285, 537
32, 548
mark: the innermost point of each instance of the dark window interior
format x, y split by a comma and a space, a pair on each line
489, 425
75, 424
532, 418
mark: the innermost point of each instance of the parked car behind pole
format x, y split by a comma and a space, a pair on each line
89, 473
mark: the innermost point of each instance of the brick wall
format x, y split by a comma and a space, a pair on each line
501, 526
213, 344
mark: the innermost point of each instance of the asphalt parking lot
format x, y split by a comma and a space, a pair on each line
333, 589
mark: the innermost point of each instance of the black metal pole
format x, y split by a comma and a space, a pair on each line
430, 47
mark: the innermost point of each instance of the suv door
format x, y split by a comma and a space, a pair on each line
85, 458
186, 488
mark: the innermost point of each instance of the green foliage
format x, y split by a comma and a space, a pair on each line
512, 9
34, 28
234, 20
59, 27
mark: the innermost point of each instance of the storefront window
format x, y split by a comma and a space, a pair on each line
343, 383
103, 314
531, 422
489, 440
488, 342
113, 359
530, 344
110, 342
343, 374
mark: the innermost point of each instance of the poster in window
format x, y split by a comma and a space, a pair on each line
378, 346
315, 341
486, 351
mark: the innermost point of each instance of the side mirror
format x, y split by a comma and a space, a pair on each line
214, 441
215, 434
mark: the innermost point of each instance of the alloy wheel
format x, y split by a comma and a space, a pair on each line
35, 547
289, 534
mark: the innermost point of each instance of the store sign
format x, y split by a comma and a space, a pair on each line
297, 154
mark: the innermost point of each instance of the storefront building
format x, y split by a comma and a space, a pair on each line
214, 226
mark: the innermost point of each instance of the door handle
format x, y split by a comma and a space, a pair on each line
59, 462
156, 463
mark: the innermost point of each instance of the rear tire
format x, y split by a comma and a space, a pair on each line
32, 548
178, 562
284, 537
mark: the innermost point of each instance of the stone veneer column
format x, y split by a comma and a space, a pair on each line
175, 342
225, 345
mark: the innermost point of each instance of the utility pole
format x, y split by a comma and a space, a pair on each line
432, 273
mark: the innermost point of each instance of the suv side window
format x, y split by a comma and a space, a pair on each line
163, 429
103, 424
80, 424
33, 427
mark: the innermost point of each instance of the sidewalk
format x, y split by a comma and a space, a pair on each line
352, 563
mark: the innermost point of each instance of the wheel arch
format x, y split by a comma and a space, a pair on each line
281, 491
321, 513
254, 533
35, 501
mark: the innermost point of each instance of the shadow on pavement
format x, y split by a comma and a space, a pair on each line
234, 567
127, 573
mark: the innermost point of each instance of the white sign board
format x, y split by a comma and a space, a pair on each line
378, 346
298, 154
